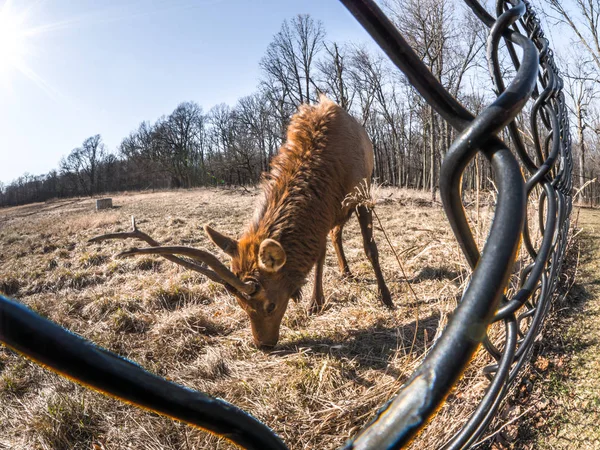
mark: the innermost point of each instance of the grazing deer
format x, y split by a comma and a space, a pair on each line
327, 155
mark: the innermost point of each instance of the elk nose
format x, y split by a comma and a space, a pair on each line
265, 346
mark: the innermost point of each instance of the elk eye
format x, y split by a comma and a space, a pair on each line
255, 284
271, 307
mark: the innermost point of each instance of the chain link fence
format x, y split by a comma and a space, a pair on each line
548, 163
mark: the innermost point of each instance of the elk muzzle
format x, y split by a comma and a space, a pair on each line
265, 329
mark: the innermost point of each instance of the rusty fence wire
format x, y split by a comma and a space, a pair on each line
537, 176
548, 166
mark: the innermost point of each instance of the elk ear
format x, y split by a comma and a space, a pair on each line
271, 255
225, 243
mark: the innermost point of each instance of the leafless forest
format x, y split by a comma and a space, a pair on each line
232, 145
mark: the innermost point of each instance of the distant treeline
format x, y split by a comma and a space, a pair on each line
227, 145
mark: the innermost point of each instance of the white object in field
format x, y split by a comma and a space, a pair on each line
103, 203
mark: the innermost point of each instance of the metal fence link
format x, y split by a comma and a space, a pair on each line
548, 163
548, 187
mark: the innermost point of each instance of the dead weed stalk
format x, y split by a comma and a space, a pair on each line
365, 194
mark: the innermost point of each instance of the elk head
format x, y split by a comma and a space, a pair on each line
259, 262
256, 278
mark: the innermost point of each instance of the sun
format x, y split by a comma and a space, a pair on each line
13, 46
19, 43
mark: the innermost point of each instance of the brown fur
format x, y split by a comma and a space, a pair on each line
326, 155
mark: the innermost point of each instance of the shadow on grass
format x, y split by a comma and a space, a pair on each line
566, 336
430, 273
371, 347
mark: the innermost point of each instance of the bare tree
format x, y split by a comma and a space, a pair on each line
582, 79
436, 30
83, 162
365, 71
581, 85
426, 26
177, 143
254, 119
334, 75
290, 59
583, 18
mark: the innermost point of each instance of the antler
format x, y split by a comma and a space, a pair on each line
220, 274
199, 255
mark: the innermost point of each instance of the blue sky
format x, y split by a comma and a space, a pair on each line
105, 66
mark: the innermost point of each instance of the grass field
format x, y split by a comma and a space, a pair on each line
319, 386
564, 405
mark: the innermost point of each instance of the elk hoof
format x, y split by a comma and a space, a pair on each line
348, 276
386, 299
316, 306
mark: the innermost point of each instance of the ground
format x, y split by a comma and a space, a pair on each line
319, 386
566, 399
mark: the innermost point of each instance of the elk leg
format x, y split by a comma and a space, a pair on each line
336, 240
365, 218
318, 298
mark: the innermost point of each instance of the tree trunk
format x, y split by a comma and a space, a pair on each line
432, 143
580, 128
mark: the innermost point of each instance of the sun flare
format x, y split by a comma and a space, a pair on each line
20, 41
12, 41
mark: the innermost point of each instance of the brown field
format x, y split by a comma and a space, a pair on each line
321, 384
564, 407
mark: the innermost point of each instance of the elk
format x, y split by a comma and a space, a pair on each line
326, 155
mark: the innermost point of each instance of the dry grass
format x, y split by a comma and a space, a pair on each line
324, 381
562, 386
